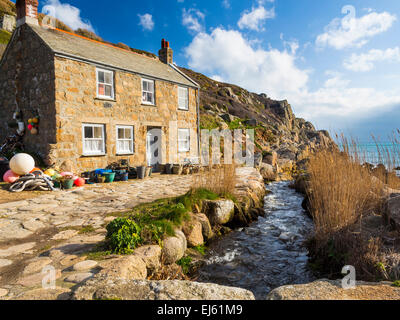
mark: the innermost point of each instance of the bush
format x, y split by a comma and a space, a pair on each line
123, 235
185, 263
149, 223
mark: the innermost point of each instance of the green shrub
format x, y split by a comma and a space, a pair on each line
185, 263
201, 249
396, 283
123, 235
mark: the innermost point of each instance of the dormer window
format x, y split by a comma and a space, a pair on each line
105, 84
148, 92
183, 98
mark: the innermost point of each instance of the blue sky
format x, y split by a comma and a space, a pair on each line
336, 62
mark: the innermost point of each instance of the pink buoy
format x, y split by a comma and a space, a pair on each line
10, 177
80, 182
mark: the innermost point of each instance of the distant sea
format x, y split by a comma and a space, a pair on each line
368, 152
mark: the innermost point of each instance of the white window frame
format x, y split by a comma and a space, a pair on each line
153, 103
103, 146
112, 97
180, 99
132, 143
180, 149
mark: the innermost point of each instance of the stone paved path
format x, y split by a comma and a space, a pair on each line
45, 230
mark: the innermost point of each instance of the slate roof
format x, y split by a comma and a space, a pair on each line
66, 44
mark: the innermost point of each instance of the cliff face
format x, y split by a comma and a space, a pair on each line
278, 130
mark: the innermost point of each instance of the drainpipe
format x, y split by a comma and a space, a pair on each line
198, 123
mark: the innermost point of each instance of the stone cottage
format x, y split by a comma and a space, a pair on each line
96, 103
7, 22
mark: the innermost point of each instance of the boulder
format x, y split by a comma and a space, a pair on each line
151, 255
84, 265
332, 290
250, 122
257, 159
128, 268
102, 288
193, 231
391, 213
219, 211
271, 158
205, 226
174, 248
285, 165
301, 183
227, 117
287, 153
268, 172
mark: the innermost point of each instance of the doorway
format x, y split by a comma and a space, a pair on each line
153, 146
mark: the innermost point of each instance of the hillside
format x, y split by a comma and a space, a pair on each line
226, 106
7, 7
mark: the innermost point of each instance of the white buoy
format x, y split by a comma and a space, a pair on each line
22, 164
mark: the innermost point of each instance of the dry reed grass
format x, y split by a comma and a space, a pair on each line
220, 179
342, 189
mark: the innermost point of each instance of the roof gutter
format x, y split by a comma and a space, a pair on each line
96, 63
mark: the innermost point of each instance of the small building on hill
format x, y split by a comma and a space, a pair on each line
95, 103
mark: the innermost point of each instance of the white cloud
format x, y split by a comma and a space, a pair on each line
365, 61
146, 21
227, 55
66, 13
193, 20
255, 19
354, 32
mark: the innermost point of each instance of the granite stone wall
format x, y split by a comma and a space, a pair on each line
27, 83
76, 103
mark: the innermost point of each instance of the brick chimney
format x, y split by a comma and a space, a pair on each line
27, 12
165, 54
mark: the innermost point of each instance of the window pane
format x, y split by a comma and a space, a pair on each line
88, 132
100, 76
102, 90
98, 132
108, 78
120, 133
151, 86
108, 92
145, 86
128, 133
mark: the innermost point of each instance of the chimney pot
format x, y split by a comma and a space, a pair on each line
27, 12
165, 54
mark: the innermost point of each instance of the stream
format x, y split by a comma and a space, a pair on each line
269, 253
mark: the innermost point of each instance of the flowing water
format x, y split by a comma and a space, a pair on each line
269, 253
